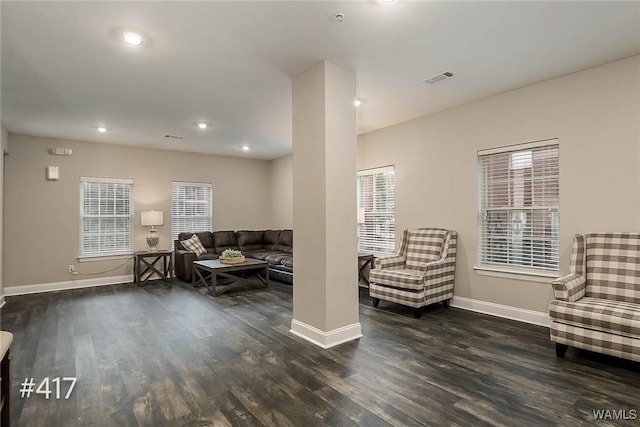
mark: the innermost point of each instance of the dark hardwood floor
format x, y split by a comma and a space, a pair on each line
174, 356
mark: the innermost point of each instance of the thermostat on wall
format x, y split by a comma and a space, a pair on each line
53, 173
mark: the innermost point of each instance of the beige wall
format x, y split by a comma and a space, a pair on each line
42, 217
281, 187
596, 116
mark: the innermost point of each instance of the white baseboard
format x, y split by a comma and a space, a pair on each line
326, 339
499, 310
69, 284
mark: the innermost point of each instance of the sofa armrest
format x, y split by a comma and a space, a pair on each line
183, 262
390, 262
569, 288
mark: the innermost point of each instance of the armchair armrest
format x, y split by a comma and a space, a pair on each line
570, 288
437, 267
433, 265
389, 262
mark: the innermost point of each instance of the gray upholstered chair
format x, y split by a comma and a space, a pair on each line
597, 305
422, 272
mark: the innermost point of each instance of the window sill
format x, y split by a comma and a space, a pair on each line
106, 257
527, 276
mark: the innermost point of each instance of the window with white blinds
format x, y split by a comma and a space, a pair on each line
191, 208
106, 216
376, 194
519, 207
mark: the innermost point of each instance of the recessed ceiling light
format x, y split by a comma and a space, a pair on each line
134, 39
102, 129
357, 102
388, 1
245, 148
202, 125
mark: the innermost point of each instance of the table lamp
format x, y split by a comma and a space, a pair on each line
360, 215
152, 218
360, 220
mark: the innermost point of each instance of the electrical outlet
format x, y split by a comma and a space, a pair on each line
72, 268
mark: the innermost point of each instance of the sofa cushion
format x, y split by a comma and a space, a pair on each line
276, 258
613, 266
250, 240
260, 254
287, 261
271, 238
224, 240
616, 317
204, 236
193, 244
425, 245
402, 279
285, 242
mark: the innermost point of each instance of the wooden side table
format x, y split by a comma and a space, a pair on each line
364, 260
145, 262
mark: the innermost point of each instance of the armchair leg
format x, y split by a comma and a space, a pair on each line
417, 312
445, 303
561, 349
376, 301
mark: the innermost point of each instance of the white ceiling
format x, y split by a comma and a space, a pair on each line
65, 70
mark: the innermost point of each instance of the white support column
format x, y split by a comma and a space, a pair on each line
325, 286
4, 149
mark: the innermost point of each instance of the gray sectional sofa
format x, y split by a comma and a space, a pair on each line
273, 246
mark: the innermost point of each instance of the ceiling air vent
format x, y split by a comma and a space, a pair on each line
173, 136
438, 78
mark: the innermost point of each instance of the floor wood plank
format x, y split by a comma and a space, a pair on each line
163, 355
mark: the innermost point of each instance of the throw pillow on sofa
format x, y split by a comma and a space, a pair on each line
193, 244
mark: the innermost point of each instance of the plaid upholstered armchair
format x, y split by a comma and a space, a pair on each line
422, 272
597, 305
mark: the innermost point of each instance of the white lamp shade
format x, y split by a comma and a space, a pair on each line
152, 218
360, 215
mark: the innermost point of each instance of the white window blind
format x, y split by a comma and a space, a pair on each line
519, 207
191, 208
106, 212
376, 194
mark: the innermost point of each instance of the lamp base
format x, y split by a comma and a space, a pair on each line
152, 241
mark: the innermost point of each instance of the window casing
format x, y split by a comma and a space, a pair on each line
191, 208
376, 194
519, 208
106, 217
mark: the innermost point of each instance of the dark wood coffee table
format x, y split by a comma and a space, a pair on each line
215, 268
